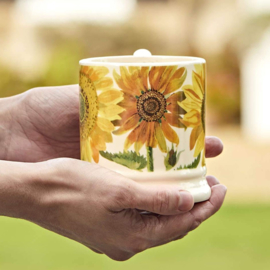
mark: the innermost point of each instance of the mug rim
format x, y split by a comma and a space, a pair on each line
160, 60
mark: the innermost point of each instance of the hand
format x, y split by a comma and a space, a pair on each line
44, 124
83, 201
97, 207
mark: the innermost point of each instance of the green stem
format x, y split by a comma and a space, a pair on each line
150, 163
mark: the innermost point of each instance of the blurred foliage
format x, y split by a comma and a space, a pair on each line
66, 48
65, 45
256, 26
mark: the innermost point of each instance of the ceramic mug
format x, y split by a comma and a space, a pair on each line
144, 117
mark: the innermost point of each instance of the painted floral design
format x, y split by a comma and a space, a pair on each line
150, 103
98, 108
194, 105
147, 109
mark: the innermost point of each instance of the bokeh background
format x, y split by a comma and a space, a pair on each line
41, 42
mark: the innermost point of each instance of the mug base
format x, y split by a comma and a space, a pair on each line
197, 186
201, 192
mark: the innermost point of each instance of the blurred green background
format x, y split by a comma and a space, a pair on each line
41, 43
229, 240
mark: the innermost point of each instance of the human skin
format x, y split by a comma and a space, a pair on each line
82, 201
43, 124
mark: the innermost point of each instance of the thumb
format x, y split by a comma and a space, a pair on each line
163, 200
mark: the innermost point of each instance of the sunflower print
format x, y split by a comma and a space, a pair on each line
194, 105
150, 103
98, 108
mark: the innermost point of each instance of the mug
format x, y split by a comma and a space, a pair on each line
143, 116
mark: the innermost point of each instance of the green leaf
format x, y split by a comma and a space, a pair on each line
171, 158
128, 159
193, 165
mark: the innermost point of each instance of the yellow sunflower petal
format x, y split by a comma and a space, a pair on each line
165, 78
124, 116
144, 77
140, 77
84, 150
85, 69
132, 137
189, 105
131, 123
107, 136
105, 124
197, 84
199, 145
175, 84
98, 73
160, 138
129, 102
155, 75
110, 112
200, 69
178, 96
191, 119
179, 73
130, 81
95, 153
142, 137
191, 94
172, 102
98, 140
88, 150
103, 84
195, 133
110, 96
169, 133
173, 119
135, 70
117, 78
125, 82
203, 158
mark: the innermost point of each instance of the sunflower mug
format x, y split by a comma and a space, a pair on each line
144, 117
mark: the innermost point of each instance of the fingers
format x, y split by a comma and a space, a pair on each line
161, 200
96, 251
213, 146
163, 229
212, 181
204, 210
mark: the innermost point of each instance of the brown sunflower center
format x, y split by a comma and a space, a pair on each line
151, 105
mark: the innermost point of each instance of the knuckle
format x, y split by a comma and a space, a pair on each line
196, 222
61, 164
195, 225
137, 225
137, 246
162, 201
180, 237
121, 256
120, 195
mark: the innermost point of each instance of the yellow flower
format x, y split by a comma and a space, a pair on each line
194, 105
150, 103
97, 111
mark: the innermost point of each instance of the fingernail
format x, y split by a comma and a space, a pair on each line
186, 201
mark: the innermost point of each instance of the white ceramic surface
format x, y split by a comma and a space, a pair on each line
143, 116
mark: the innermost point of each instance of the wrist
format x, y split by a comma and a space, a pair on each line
9, 107
19, 192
